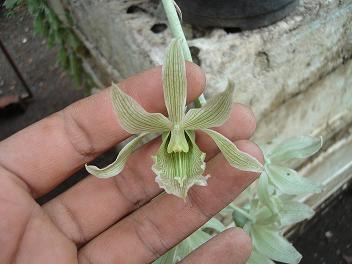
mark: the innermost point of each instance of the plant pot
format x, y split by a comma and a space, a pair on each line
241, 14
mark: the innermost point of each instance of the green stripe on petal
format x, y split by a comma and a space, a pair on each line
214, 113
133, 118
274, 246
175, 82
233, 155
295, 148
117, 166
176, 172
288, 181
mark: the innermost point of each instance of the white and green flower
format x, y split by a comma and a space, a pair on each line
179, 163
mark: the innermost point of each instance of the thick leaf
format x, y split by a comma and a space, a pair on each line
213, 113
295, 148
294, 212
180, 251
257, 258
264, 194
274, 246
178, 171
288, 181
117, 166
133, 118
175, 82
214, 224
233, 155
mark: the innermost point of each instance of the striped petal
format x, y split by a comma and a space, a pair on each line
233, 155
117, 166
178, 171
214, 113
133, 118
175, 82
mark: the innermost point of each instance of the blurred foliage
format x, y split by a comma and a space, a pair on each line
48, 25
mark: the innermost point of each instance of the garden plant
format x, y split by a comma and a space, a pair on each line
269, 205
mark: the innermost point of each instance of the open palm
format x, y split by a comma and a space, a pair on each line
124, 219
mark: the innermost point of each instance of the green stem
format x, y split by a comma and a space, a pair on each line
177, 32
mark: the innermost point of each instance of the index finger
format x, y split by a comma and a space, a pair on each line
49, 151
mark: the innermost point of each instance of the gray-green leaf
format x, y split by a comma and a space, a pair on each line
274, 246
133, 118
214, 113
233, 155
288, 181
117, 166
180, 251
264, 195
294, 212
295, 148
257, 258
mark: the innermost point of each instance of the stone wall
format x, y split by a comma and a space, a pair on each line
296, 74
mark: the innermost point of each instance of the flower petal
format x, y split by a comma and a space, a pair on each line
175, 82
288, 181
295, 148
117, 166
234, 156
178, 171
213, 113
134, 119
274, 246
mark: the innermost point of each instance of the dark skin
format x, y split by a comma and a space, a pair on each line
115, 220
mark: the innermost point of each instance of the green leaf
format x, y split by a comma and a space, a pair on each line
184, 248
174, 82
233, 155
295, 148
40, 23
133, 118
274, 246
264, 195
214, 113
214, 224
34, 6
117, 166
178, 171
52, 18
294, 212
63, 58
288, 181
10, 4
257, 258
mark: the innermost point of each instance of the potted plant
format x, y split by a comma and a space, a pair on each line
242, 14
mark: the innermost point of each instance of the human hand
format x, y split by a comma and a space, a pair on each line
114, 220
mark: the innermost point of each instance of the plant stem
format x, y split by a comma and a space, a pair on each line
177, 32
